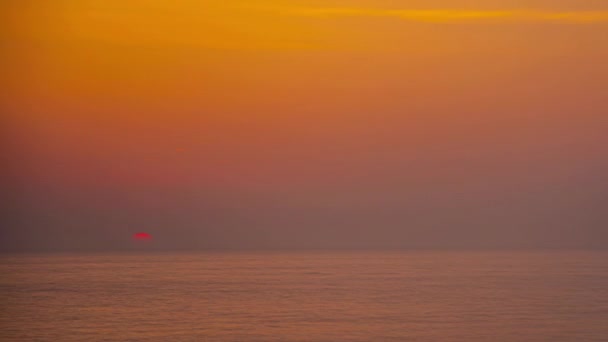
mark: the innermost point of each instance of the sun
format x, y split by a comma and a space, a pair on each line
141, 236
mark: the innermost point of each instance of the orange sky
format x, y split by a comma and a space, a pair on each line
303, 101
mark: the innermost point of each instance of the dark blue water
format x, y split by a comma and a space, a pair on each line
306, 296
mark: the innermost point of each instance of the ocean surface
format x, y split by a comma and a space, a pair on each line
306, 296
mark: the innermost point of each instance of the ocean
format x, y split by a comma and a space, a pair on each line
306, 296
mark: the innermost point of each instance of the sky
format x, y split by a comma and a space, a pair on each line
287, 124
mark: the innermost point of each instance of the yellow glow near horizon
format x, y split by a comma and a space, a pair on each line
237, 25
447, 14
216, 49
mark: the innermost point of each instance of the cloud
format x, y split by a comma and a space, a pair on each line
448, 15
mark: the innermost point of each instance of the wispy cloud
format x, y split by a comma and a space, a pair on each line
448, 15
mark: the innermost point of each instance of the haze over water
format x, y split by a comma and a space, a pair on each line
306, 296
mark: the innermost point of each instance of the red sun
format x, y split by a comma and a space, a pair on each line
142, 236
